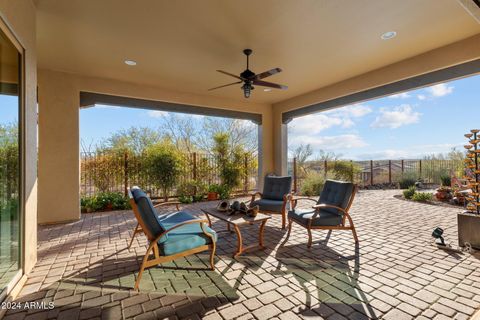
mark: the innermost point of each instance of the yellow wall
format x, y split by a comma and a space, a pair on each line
59, 133
19, 16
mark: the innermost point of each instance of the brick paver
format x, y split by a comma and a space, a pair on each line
85, 269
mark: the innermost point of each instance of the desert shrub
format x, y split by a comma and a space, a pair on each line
104, 201
446, 180
422, 196
313, 184
343, 170
163, 164
407, 180
410, 192
191, 191
230, 161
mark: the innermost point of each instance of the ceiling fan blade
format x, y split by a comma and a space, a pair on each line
268, 73
269, 84
225, 85
231, 74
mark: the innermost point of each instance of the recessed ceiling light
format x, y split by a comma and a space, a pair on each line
388, 35
267, 90
130, 62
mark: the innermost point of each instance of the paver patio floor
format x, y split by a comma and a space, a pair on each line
395, 273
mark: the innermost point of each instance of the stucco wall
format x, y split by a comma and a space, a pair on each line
59, 133
19, 16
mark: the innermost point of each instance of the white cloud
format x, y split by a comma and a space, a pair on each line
314, 124
421, 97
156, 113
440, 90
413, 152
339, 142
396, 117
403, 95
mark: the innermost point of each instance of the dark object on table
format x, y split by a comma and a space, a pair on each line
223, 206
252, 212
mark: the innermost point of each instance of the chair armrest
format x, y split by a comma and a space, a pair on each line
294, 200
324, 205
255, 195
177, 204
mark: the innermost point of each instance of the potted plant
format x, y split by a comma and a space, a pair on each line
213, 192
444, 193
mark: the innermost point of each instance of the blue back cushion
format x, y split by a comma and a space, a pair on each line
276, 187
147, 212
336, 193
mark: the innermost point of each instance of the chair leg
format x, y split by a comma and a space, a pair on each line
284, 218
139, 277
309, 237
288, 233
133, 235
212, 256
354, 234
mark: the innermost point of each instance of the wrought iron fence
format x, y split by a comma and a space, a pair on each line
373, 172
115, 172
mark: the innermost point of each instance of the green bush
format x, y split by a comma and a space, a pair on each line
422, 196
185, 199
312, 185
343, 170
410, 192
164, 165
104, 201
407, 180
446, 180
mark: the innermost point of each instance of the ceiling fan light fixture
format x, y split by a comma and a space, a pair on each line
247, 90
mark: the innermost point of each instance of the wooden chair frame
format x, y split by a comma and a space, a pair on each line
317, 207
138, 228
153, 243
283, 211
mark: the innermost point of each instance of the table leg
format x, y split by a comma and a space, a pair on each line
239, 242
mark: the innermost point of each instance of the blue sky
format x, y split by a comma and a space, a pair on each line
408, 125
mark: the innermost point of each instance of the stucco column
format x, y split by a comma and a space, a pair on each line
58, 152
280, 144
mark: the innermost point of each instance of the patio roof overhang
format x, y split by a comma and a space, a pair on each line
437, 41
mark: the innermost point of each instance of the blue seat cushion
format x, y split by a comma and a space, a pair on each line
268, 205
147, 212
276, 187
183, 238
337, 193
325, 218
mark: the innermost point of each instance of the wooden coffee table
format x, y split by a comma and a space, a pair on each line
238, 220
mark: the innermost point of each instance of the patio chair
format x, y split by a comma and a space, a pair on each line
329, 213
172, 235
274, 196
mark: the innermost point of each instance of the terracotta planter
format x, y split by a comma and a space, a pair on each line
211, 196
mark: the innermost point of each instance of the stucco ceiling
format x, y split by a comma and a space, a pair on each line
179, 44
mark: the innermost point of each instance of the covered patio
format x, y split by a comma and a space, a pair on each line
85, 268
164, 56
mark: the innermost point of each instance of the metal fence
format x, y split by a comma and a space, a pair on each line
375, 172
115, 172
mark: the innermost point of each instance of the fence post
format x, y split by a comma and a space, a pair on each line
325, 169
390, 171
125, 174
402, 167
194, 172
371, 172
295, 175
420, 168
351, 170
245, 182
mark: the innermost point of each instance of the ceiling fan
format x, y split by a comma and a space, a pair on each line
249, 78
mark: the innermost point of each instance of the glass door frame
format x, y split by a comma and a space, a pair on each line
7, 31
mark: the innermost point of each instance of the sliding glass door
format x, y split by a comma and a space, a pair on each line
10, 162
